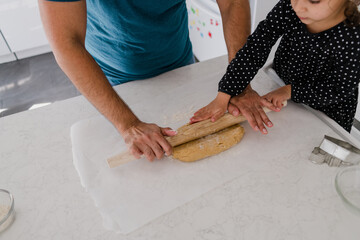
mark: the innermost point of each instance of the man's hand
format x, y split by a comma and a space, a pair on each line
250, 104
278, 96
213, 110
148, 139
235, 15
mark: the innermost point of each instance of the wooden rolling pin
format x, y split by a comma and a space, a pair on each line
188, 133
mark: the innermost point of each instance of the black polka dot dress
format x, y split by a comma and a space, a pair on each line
323, 68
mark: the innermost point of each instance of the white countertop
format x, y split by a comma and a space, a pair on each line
36, 166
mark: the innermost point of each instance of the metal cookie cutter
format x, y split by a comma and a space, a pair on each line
336, 153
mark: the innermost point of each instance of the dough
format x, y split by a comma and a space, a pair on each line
209, 145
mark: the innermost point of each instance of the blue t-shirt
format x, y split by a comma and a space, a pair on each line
137, 39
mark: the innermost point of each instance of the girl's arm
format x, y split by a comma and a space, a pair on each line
253, 55
248, 61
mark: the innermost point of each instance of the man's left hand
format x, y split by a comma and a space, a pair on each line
250, 105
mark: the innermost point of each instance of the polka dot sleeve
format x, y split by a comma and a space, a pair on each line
337, 85
253, 55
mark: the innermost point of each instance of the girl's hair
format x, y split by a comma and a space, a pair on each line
352, 13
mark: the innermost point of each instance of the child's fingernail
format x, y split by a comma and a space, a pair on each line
256, 128
264, 130
269, 124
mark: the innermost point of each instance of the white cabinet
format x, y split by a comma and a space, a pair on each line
5, 53
4, 50
22, 28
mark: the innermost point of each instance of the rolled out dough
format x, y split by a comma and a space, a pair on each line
209, 145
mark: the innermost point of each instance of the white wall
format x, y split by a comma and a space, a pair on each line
261, 9
21, 27
5, 53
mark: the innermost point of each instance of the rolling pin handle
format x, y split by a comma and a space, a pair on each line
120, 159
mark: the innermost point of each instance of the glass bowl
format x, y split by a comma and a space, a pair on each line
7, 211
347, 183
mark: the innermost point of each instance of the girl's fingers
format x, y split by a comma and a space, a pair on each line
275, 102
193, 120
198, 118
205, 114
269, 105
279, 103
232, 109
197, 112
216, 116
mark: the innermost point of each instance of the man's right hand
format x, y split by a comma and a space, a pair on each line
148, 139
250, 104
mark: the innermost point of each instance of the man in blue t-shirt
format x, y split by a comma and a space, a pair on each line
99, 44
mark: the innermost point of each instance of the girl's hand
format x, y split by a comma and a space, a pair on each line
278, 96
213, 110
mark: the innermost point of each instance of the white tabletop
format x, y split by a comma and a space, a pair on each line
36, 166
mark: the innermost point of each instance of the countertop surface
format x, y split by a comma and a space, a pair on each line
36, 167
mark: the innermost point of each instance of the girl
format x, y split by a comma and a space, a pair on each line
318, 59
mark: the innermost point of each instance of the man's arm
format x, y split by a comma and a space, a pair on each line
235, 15
65, 26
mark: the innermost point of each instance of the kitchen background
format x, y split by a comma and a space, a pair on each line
30, 77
